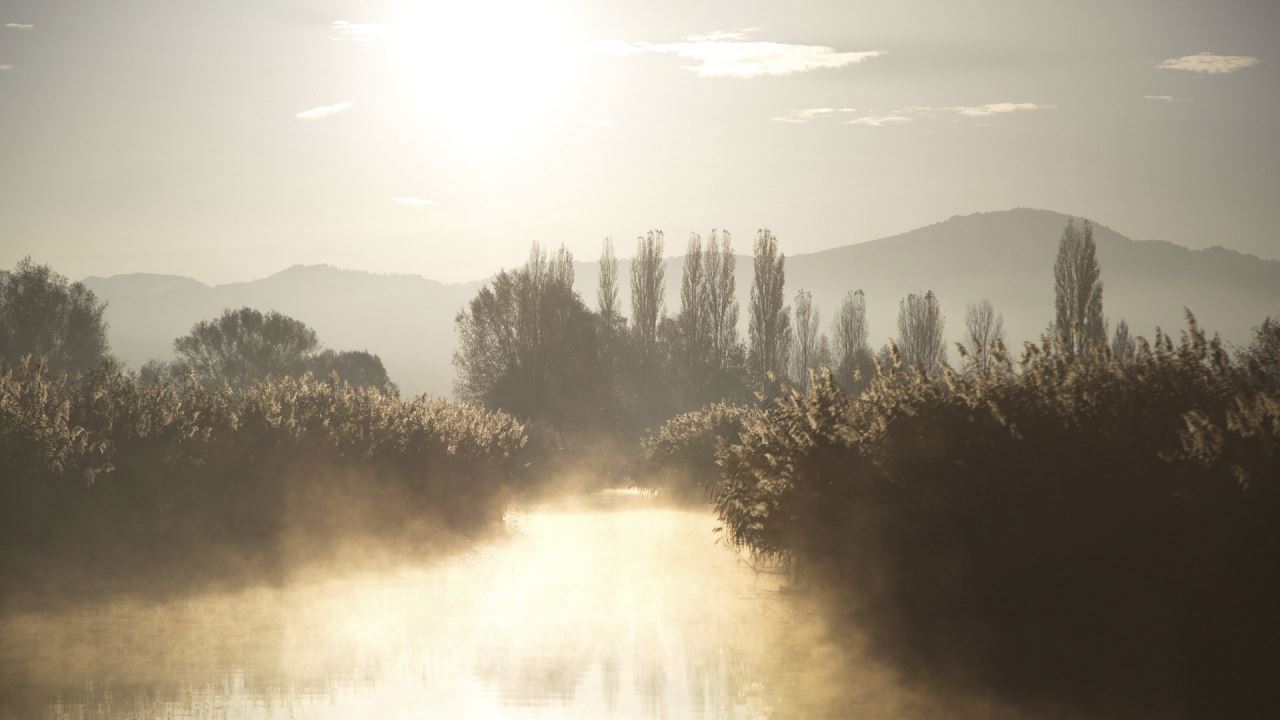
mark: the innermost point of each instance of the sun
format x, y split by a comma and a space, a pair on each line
484, 71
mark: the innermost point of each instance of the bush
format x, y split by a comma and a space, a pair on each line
100, 463
681, 454
1083, 531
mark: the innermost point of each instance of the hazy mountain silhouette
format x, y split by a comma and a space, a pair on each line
1004, 256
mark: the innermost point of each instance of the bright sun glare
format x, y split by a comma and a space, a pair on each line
486, 70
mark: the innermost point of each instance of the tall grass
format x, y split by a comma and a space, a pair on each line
1077, 530
98, 464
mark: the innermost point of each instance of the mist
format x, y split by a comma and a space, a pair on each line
721, 361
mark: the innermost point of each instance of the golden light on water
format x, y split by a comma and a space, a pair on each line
608, 606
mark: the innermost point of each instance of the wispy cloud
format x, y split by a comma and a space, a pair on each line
413, 201
19, 26
600, 123
911, 113
880, 120
359, 31
324, 111
1159, 98
808, 115
1207, 63
5, 68
995, 108
731, 53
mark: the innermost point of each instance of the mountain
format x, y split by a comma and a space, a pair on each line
406, 319
1004, 256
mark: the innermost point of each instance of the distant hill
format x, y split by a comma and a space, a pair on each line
406, 319
1004, 256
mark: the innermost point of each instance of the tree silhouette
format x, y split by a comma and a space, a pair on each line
648, 285
805, 350
43, 314
851, 353
1078, 323
983, 327
527, 344
607, 291
769, 326
920, 327
243, 346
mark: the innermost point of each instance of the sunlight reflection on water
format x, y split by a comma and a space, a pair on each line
607, 605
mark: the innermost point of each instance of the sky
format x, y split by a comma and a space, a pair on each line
226, 141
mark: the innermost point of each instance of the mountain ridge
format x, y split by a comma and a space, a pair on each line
1006, 256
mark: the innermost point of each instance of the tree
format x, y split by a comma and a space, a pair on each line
823, 358
1264, 352
607, 292
852, 354
984, 328
527, 344
805, 350
1078, 323
357, 367
695, 340
43, 314
244, 346
1123, 345
721, 310
648, 285
920, 327
769, 326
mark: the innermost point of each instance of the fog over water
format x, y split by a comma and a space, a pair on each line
612, 604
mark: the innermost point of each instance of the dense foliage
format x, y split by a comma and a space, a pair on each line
245, 346
98, 463
43, 314
681, 453
1077, 530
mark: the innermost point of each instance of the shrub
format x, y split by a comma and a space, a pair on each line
101, 463
1083, 530
681, 454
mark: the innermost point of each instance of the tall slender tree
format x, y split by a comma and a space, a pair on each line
1078, 322
852, 354
920, 328
1123, 345
805, 349
695, 340
607, 290
983, 327
648, 285
769, 326
718, 267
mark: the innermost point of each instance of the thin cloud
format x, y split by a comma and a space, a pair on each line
879, 120
910, 113
5, 68
1207, 63
19, 26
808, 115
731, 53
1159, 98
413, 201
723, 35
324, 111
995, 109
600, 123
359, 31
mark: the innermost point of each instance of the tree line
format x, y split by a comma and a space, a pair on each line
43, 315
529, 344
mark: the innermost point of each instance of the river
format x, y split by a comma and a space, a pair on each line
607, 605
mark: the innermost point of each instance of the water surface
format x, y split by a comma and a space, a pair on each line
604, 605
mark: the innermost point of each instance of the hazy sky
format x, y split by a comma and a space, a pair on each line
228, 140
